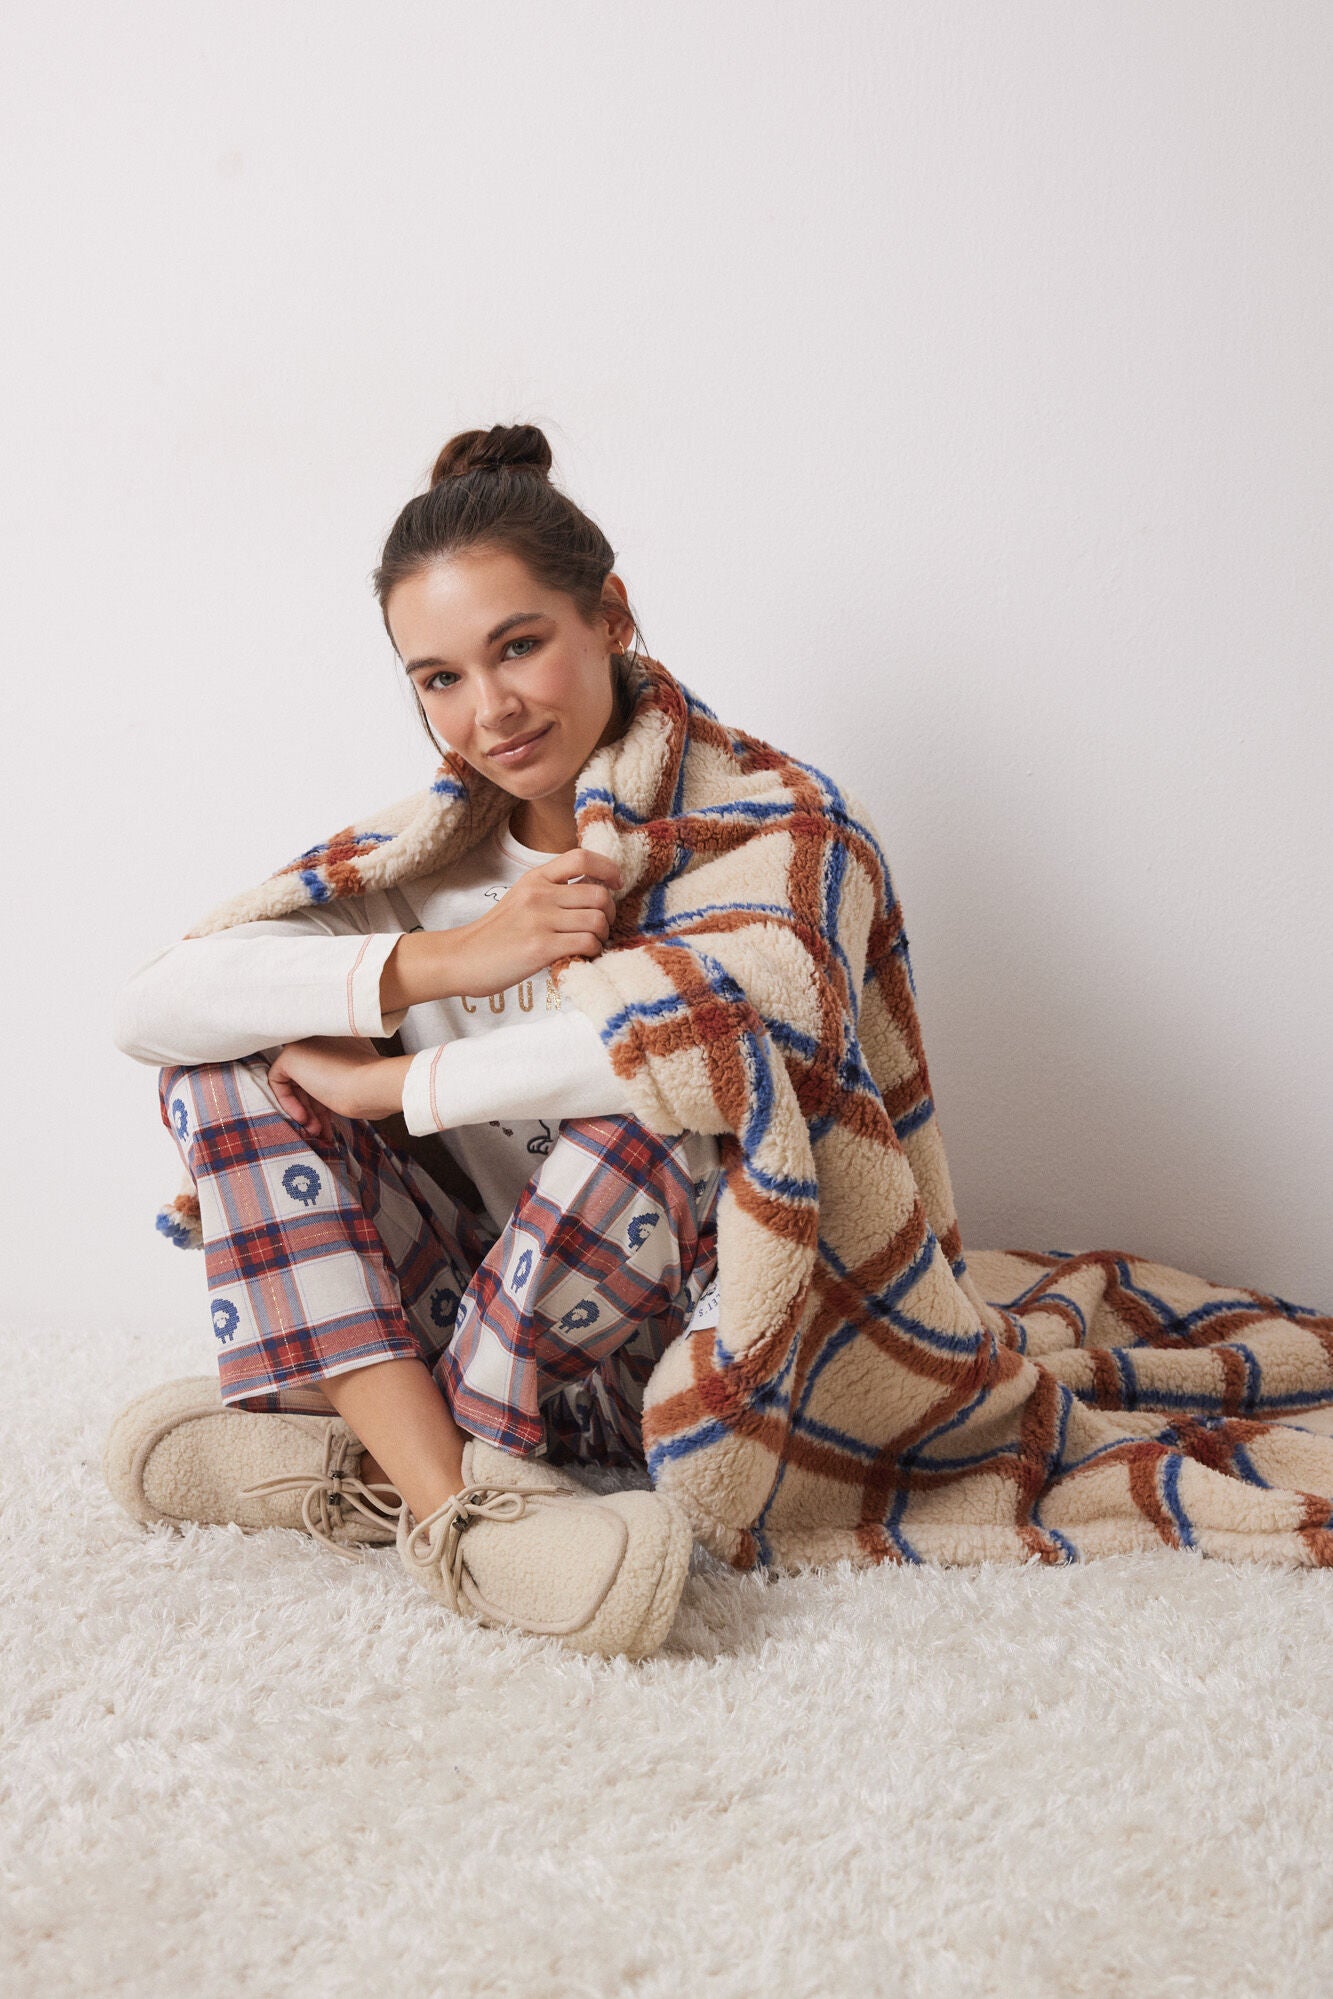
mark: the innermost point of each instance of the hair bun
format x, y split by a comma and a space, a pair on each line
504, 447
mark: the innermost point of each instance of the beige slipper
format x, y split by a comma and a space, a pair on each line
524, 1545
178, 1453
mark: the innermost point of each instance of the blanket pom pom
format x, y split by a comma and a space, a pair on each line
178, 1220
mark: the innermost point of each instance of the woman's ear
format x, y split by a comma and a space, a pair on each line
619, 620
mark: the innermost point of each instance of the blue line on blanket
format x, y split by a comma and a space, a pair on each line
361, 839
1253, 1372
641, 1010
893, 1527
1170, 1488
1129, 1381
918, 1451
597, 794
656, 903
316, 887
847, 1331
824, 1433
1212, 1409
1067, 1548
1189, 1406
1021, 1297
885, 1303
1018, 1338
1062, 1298
840, 812
682, 916
678, 790
686, 1443
959, 1417
1070, 1552
1248, 1468
757, 809
781, 1183
834, 872
1056, 1462
760, 1114
909, 1120
1311, 1398
695, 705
1180, 1322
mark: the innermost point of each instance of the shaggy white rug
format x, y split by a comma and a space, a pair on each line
234, 1764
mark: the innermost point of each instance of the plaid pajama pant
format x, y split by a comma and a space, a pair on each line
321, 1257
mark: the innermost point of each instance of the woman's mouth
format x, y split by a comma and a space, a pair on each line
519, 749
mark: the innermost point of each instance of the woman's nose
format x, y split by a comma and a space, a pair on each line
496, 708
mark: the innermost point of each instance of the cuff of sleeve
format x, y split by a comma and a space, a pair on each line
363, 985
552, 1068
421, 1092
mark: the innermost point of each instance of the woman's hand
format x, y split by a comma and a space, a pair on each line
545, 915
342, 1073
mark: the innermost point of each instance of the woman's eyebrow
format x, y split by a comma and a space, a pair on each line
497, 631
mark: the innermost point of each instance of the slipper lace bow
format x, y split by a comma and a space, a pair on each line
437, 1543
325, 1500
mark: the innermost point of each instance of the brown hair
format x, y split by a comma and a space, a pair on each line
491, 489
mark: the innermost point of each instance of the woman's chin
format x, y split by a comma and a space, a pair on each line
545, 779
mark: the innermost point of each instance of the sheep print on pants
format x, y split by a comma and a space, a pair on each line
322, 1256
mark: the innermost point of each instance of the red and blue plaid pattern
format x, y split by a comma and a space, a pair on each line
322, 1257
606, 1240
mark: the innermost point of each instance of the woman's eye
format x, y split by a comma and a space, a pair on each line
441, 682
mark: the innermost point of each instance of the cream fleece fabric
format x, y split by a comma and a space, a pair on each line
869, 1391
175, 1454
602, 1571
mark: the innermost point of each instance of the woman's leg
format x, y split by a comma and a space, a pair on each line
621, 1226
399, 1413
594, 1275
333, 1272
335, 1269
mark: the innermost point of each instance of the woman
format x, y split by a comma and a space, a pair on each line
666, 961
342, 1272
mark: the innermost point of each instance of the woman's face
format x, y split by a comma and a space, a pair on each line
508, 673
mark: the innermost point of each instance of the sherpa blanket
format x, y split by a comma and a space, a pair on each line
869, 1391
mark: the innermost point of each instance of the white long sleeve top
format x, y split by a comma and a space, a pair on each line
493, 1073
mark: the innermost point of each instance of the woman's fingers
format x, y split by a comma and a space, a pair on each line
582, 919
582, 861
580, 896
311, 1117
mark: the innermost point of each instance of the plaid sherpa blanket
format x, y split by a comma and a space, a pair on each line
869, 1391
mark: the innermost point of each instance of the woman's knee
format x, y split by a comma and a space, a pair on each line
198, 1095
637, 1149
650, 1193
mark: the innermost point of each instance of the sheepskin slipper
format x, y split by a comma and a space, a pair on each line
526, 1545
178, 1453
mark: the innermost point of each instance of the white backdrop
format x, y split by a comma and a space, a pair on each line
953, 382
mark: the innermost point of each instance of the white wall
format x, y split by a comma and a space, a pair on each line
954, 383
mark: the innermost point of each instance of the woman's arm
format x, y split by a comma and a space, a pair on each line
220, 998
325, 972
553, 1068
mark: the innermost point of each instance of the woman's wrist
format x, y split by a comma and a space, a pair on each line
377, 1088
423, 965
